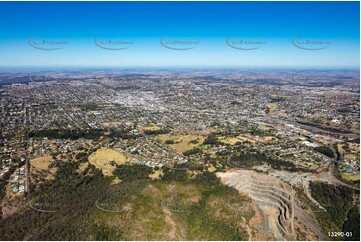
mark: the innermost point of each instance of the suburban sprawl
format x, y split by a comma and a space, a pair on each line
180, 155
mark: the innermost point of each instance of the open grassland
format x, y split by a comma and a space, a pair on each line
152, 127
340, 149
272, 107
41, 163
229, 140
39, 168
211, 168
110, 123
349, 151
355, 147
82, 167
351, 147
280, 96
182, 142
106, 160
263, 127
350, 176
156, 174
234, 140
243, 138
106, 105
350, 156
309, 165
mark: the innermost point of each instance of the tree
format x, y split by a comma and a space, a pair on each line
211, 140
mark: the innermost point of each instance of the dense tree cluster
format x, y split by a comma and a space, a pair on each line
337, 200
75, 194
211, 140
245, 160
67, 133
352, 224
192, 151
325, 150
82, 156
80, 133
132, 172
259, 132
249, 160
338, 154
157, 132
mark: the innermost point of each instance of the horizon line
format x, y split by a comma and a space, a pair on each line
183, 67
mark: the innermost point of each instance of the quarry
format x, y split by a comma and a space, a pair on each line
274, 200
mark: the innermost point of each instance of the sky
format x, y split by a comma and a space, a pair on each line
284, 34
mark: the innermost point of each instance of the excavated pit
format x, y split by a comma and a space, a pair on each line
271, 195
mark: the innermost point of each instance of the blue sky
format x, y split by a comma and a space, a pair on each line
209, 23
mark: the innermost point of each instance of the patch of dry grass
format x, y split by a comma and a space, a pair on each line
156, 175
152, 127
106, 159
350, 176
181, 142
272, 107
41, 163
